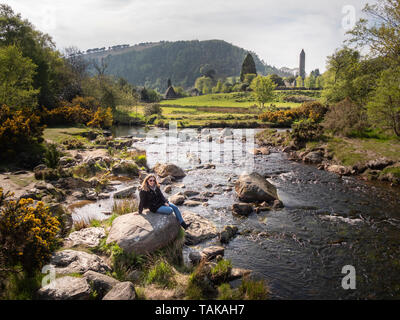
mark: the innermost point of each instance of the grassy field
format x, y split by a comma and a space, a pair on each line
226, 109
236, 107
235, 99
350, 151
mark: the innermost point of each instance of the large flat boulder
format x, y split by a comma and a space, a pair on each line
200, 230
72, 261
255, 188
168, 169
66, 288
143, 233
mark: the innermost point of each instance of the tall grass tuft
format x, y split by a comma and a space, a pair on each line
162, 274
52, 156
125, 206
253, 289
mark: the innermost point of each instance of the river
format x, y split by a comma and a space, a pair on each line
327, 222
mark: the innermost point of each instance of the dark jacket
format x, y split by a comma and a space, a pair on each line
151, 200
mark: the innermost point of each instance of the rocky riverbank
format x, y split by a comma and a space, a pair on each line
110, 259
345, 157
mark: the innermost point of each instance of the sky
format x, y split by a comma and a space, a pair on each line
276, 30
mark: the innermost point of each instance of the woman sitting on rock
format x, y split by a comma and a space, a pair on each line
152, 198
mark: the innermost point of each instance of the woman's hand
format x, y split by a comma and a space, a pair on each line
167, 204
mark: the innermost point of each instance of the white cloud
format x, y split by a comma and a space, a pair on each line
275, 30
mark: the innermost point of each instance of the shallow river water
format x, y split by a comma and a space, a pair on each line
327, 222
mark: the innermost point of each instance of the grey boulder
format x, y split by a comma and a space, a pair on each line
72, 261
100, 282
168, 169
87, 237
200, 229
143, 233
66, 288
254, 188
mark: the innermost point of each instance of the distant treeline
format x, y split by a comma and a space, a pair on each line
180, 61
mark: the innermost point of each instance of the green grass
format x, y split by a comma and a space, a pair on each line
350, 151
59, 134
234, 99
346, 153
236, 109
20, 286
222, 270
162, 274
124, 206
22, 181
253, 289
395, 171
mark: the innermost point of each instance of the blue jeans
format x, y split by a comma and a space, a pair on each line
169, 210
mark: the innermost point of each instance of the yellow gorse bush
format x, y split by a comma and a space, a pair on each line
313, 110
103, 118
28, 233
18, 128
84, 111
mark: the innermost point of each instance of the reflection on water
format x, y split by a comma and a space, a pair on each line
328, 221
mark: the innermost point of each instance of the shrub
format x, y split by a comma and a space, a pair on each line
312, 110
306, 130
346, 118
21, 286
66, 115
52, 156
103, 118
89, 103
153, 108
19, 130
81, 111
162, 274
28, 234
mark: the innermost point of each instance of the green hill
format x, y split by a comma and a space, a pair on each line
151, 64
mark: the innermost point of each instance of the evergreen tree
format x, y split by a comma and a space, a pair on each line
248, 66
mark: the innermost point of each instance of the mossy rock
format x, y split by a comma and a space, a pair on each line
129, 168
391, 174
